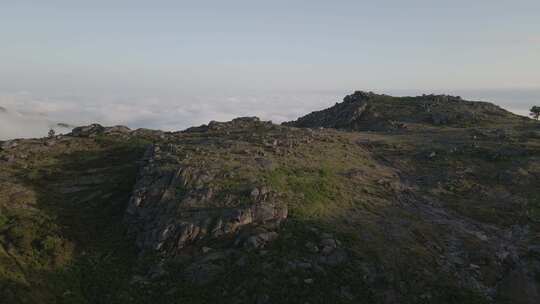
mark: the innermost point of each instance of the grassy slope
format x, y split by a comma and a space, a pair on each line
331, 182
68, 246
311, 173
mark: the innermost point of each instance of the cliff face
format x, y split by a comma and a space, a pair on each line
425, 210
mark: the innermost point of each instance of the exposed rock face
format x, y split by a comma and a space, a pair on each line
364, 111
175, 204
97, 129
240, 122
345, 115
117, 130
88, 131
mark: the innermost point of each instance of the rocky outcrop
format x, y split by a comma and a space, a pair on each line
367, 111
345, 115
176, 204
117, 130
88, 131
239, 123
97, 129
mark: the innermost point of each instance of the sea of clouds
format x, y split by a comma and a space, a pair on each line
24, 114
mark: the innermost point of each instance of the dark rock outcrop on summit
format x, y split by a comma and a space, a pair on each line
367, 111
239, 122
88, 131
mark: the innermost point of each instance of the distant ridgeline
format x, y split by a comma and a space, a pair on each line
364, 111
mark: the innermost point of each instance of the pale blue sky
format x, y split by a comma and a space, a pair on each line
182, 53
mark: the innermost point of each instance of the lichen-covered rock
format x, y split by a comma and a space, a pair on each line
177, 202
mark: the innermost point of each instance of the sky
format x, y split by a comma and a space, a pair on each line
173, 64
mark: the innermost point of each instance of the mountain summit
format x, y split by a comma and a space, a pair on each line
365, 111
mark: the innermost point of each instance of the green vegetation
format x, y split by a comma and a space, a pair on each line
314, 192
535, 112
67, 244
438, 205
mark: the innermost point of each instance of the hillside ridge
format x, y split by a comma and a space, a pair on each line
371, 201
365, 111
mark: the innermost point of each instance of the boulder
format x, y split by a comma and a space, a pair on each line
88, 131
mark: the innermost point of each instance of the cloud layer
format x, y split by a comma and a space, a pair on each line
29, 116
24, 114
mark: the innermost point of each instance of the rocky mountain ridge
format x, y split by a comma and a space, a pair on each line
418, 210
364, 111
